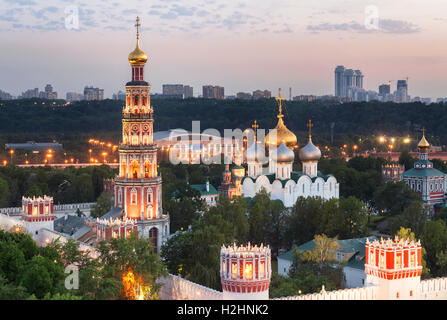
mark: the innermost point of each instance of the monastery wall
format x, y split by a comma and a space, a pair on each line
176, 288
59, 209
364, 293
433, 289
6, 222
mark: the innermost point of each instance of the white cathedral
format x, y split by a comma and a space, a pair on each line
279, 179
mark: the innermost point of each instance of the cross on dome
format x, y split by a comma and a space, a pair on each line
310, 125
280, 99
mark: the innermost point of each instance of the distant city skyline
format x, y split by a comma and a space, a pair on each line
241, 46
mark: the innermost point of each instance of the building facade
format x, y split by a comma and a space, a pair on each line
138, 186
91, 93
279, 179
429, 182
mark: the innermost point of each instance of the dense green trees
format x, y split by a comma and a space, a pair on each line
393, 198
40, 115
103, 205
310, 270
26, 269
345, 218
69, 185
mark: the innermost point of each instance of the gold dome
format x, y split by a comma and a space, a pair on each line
137, 56
282, 135
423, 143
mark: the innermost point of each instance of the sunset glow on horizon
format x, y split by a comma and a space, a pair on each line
241, 45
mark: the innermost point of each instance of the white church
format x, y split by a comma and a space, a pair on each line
279, 179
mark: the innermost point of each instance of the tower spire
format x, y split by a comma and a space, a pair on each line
255, 127
280, 99
138, 25
310, 125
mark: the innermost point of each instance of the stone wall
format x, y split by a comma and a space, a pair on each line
433, 289
7, 222
176, 288
365, 293
59, 209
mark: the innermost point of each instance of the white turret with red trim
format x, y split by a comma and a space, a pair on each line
245, 272
395, 267
38, 213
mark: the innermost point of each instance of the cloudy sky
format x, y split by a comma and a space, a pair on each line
241, 45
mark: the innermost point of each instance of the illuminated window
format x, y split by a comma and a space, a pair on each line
382, 261
412, 260
398, 262
248, 271
47, 209
133, 196
261, 269
234, 270
223, 266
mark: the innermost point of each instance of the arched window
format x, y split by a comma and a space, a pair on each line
153, 236
135, 170
147, 169
133, 196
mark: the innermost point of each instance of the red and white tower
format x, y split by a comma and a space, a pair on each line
138, 185
395, 267
37, 213
245, 272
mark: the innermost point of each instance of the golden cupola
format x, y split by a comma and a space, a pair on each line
423, 144
137, 56
283, 134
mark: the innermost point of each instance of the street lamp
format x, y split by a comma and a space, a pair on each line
11, 152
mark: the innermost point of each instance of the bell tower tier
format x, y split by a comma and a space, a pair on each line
138, 185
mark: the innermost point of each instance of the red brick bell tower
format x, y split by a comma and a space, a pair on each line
138, 185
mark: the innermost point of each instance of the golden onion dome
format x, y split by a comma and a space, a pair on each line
423, 143
282, 135
137, 56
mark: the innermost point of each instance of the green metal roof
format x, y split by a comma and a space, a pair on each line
202, 189
423, 173
356, 246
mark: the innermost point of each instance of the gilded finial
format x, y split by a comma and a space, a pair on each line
138, 25
310, 125
280, 99
255, 127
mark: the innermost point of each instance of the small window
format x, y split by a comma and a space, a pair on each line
411, 293
149, 197
397, 295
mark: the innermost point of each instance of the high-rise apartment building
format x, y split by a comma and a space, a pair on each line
91, 93
347, 82
188, 92
401, 95
213, 92
5, 96
120, 95
244, 95
74, 96
384, 89
259, 94
173, 90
